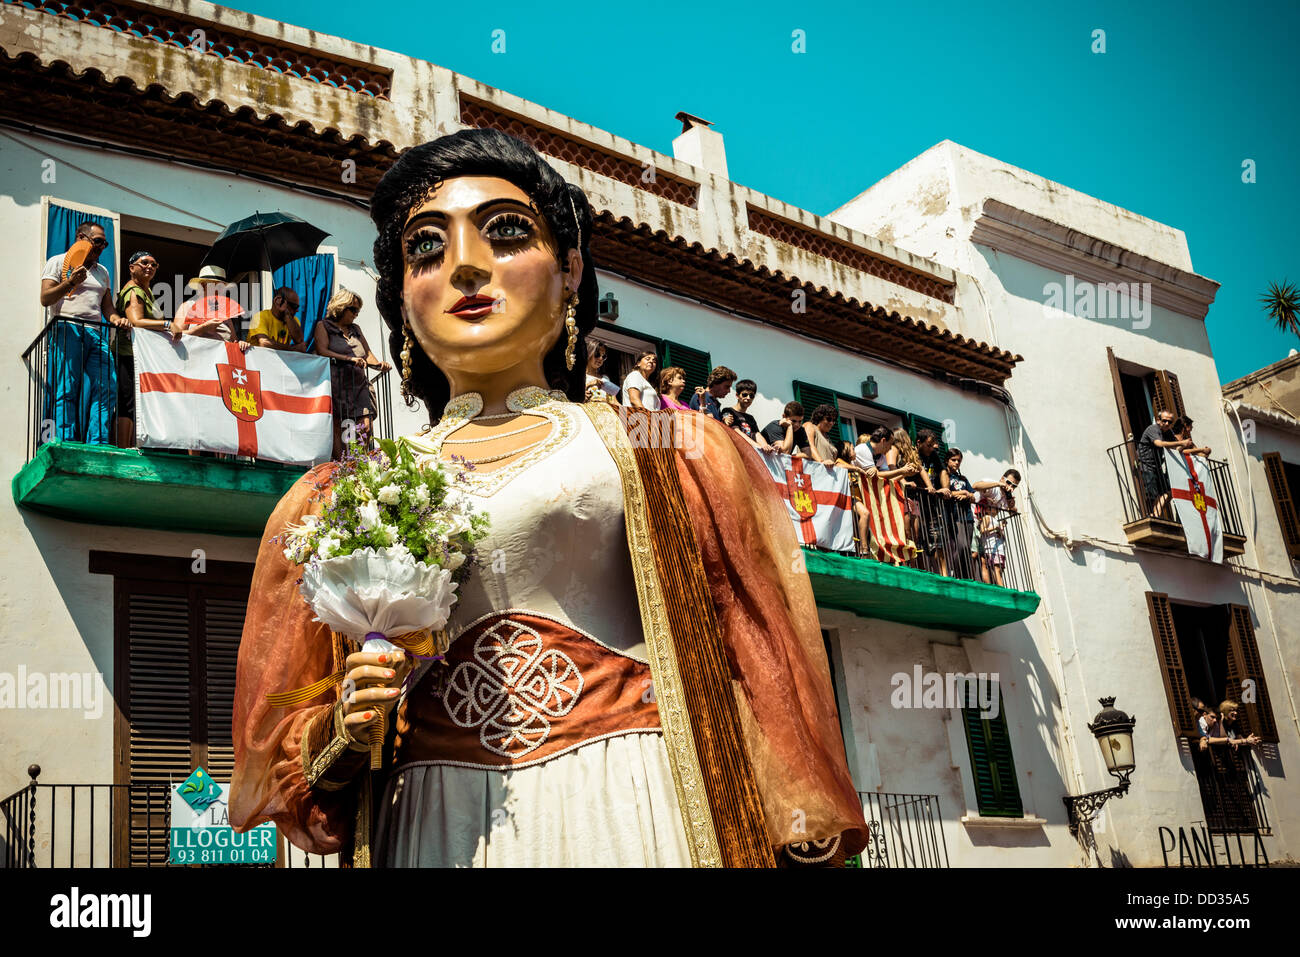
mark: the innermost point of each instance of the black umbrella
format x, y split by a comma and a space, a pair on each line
263, 241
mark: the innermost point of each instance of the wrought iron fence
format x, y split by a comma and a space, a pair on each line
72, 386
905, 831
1141, 494
103, 825
976, 542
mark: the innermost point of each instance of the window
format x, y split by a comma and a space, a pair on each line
621, 351
992, 766
691, 361
857, 416
1140, 393
1284, 485
176, 640
1210, 652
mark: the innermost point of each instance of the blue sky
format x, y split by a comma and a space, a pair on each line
1159, 124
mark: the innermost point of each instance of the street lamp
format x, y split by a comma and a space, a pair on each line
1113, 730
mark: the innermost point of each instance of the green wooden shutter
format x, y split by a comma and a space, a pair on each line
992, 766
810, 396
916, 423
693, 362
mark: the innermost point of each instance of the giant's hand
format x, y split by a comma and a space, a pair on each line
374, 679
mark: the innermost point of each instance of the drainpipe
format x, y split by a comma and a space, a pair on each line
1068, 745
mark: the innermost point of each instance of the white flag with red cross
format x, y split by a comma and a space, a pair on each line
205, 394
817, 498
1195, 503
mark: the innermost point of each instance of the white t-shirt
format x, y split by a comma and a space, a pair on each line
85, 302
994, 497
649, 397
863, 457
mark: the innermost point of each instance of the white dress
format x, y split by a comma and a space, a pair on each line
557, 550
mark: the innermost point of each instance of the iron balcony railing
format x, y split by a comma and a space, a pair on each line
103, 825
1139, 505
971, 541
72, 386
906, 830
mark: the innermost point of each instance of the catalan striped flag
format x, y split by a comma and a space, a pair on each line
885, 503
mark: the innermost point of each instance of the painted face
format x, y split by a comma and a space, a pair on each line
481, 285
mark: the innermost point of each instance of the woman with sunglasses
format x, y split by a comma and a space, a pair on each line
135, 301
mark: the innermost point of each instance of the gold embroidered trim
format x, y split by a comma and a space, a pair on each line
361, 839
702, 838
552, 406
314, 767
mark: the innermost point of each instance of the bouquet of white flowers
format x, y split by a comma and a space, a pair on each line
384, 556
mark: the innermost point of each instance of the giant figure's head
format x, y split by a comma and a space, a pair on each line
478, 215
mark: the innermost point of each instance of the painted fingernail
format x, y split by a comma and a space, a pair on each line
389, 674
394, 692
369, 715
383, 659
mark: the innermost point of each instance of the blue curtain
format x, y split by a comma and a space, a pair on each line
312, 278
62, 232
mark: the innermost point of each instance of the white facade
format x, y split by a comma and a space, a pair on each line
1093, 627
1089, 637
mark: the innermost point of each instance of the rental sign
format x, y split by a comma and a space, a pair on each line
201, 831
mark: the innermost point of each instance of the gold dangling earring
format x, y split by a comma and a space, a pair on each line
406, 361
571, 323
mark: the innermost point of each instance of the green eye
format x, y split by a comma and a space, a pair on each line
510, 227
423, 244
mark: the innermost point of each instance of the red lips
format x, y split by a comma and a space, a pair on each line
472, 307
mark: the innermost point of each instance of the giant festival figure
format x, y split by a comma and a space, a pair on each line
636, 675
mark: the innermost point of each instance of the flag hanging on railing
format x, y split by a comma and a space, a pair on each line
205, 394
817, 499
884, 501
1195, 503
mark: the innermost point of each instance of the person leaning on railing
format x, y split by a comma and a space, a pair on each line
1158, 435
786, 435
80, 368
1183, 432
338, 337
845, 458
135, 301
994, 502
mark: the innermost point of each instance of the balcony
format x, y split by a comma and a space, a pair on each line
946, 587
1145, 525
103, 825
103, 484
906, 831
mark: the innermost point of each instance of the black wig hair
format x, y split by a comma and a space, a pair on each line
480, 152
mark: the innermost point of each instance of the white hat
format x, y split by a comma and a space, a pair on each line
208, 274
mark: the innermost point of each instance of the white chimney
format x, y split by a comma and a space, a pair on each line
700, 146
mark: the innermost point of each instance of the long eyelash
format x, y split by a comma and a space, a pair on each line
512, 219
414, 240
